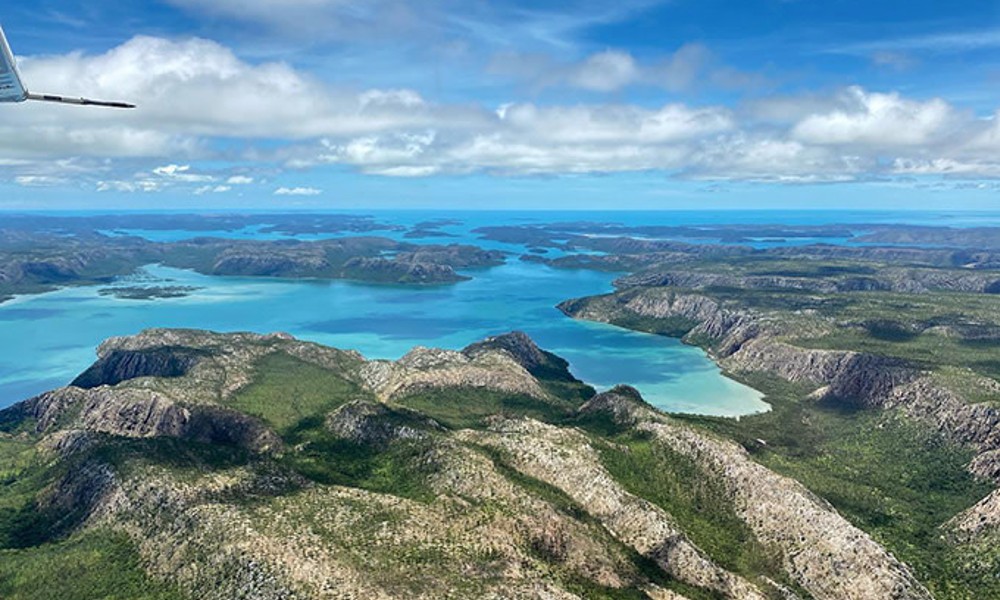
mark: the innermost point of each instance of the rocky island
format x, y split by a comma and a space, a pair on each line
41, 262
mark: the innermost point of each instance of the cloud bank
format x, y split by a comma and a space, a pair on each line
198, 100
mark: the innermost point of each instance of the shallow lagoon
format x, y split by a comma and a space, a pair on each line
51, 337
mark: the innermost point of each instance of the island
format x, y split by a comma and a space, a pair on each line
38, 260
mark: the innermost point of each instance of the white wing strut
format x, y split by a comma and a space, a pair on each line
12, 88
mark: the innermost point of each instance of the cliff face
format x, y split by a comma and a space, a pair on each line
117, 366
365, 497
138, 413
744, 340
887, 279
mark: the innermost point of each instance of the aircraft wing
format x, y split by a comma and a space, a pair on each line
11, 88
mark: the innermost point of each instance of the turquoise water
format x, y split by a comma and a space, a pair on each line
49, 338
55, 334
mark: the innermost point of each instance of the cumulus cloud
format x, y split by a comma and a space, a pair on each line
197, 97
139, 185
190, 89
298, 191
181, 173
878, 120
212, 189
39, 181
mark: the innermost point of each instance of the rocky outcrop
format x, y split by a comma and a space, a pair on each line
138, 413
454, 255
821, 551
425, 368
742, 340
116, 366
623, 403
218, 365
266, 261
516, 343
377, 424
848, 377
979, 521
564, 459
974, 425
484, 537
521, 509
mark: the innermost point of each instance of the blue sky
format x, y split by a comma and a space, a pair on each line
580, 104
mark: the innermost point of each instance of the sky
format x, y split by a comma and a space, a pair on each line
579, 104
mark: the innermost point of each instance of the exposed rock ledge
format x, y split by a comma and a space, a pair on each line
822, 552
747, 341
564, 458
143, 414
426, 368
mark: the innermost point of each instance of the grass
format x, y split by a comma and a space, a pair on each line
698, 502
286, 391
463, 408
398, 469
23, 474
890, 477
669, 326
89, 566
967, 383
645, 567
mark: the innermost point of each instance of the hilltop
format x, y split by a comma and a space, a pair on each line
194, 464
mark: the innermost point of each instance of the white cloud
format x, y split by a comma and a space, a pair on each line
691, 66
193, 92
878, 120
298, 191
139, 185
187, 90
181, 173
212, 189
680, 71
39, 181
606, 71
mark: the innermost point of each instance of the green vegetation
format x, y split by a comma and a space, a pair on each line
185, 459
148, 293
285, 391
324, 458
462, 408
556, 379
90, 566
670, 326
700, 505
294, 397
933, 330
890, 477
646, 568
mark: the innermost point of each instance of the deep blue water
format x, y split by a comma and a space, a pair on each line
49, 338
